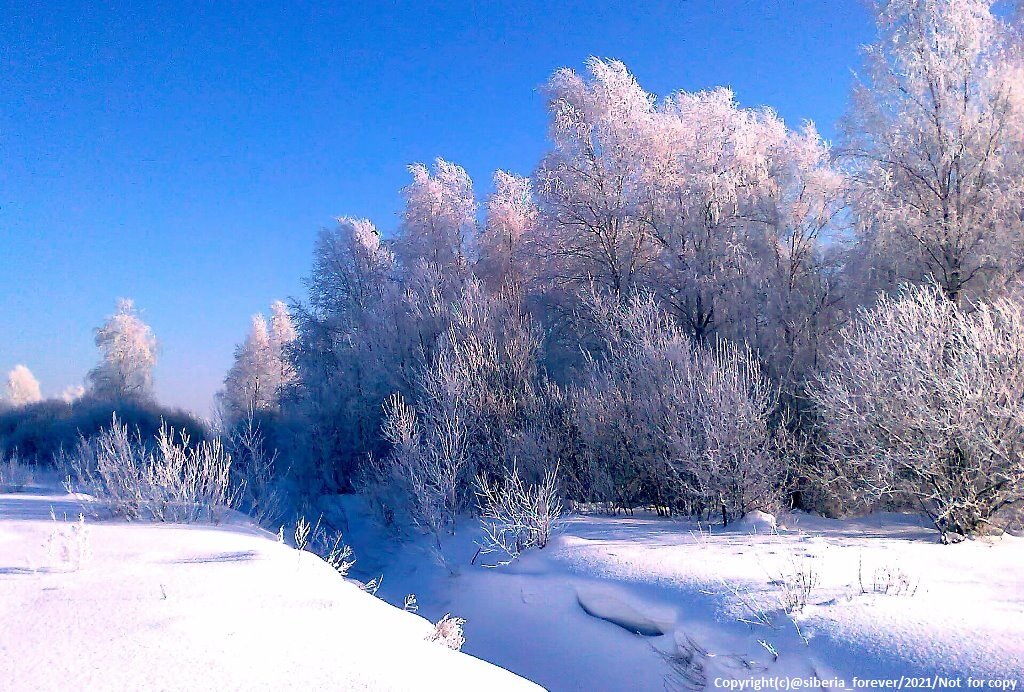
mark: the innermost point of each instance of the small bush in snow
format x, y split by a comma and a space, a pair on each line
15, 474
448, 631
302, 531
168, 480
516, 515
332, 548
796, 584
68, 545
923, 402
887, 580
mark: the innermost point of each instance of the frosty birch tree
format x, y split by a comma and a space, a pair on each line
511, 217
262, 369
249, 385
351, 352
128, 350
588, 186
282, 336
439, 220
22, 387
720, 211
935, 135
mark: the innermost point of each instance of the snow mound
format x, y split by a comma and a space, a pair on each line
116, 606
612, 606
758, 522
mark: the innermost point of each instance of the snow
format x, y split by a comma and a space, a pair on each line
585, 612
636, 602
108, 605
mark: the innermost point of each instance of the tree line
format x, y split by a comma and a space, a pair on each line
688, 305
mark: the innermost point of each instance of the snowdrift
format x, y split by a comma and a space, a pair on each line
118, 606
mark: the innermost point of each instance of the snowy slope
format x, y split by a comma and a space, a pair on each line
116, 606
586, 612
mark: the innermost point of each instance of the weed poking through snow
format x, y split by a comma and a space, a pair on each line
448, 632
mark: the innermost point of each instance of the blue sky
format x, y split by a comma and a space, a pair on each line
186, 154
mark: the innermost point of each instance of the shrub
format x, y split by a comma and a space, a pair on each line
256, 471
516, 515
448, 632
922, 402
15, 474
170, 479
673, 424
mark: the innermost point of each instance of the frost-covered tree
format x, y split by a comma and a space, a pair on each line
72, 393
511, 218
799, 274
351, 352
471, 410
263, 369
935, 135
128, 349
439, 220
720, 211
282, 336
923, 402
739, 206
22, 387
589, 187
248, 385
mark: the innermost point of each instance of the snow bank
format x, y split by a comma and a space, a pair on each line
585, 613
116, 606
758, 522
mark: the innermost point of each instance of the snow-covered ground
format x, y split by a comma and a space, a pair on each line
107, 605
638, 603
646, 603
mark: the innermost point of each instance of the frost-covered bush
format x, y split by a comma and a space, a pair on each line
432, 472
168, 478
516, 515
923, 402
256, 471
472, 412
448, 632
15, 474
673, 424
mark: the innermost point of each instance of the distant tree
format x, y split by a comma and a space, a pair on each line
72, 393
128, 349
248, 385
282, 336
935, 136
262, 368
22, 387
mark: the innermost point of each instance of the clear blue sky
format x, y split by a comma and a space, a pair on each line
186, 154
